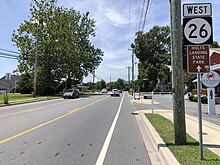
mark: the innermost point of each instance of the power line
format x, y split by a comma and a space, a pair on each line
9, 51
146, 13
138, 16
7, 54
141, 15
129, 30
8, 57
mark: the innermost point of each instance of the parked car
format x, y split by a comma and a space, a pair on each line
104, 90
115, 92
71, 93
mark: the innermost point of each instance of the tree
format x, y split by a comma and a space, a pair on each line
64, 47
100, 84
25, 85
215, 45
153, 51
119, 84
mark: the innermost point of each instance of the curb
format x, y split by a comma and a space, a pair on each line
164, 154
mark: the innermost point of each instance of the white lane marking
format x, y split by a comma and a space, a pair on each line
105, 146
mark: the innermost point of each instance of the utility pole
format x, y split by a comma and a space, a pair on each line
128, 74
35, 70
93, 80
177, 73
132, 69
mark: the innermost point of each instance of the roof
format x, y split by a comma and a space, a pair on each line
215, 50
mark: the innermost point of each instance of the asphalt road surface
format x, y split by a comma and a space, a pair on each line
89, 130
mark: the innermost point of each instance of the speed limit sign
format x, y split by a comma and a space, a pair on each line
197, 31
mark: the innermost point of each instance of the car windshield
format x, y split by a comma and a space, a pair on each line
69, 90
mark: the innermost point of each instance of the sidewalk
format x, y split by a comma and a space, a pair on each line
211, 132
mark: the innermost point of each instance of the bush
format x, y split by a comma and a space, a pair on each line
193, 98
5, 99
204, 100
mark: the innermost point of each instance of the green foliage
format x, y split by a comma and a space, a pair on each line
215, 45
193, 98
119, 84
100, 84
5, 99
204, 99
153, 51
65, 51
26, 84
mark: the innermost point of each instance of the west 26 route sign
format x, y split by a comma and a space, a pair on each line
197, 31
197, 24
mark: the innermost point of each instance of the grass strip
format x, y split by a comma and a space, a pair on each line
19, 98
186, 154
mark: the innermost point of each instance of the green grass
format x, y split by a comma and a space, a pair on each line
186, 154
18, 98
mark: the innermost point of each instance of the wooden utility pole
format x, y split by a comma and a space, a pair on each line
177, 73
128, 67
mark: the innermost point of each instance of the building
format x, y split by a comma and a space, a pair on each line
215, 65
8, 82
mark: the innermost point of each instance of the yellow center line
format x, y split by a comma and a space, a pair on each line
31, 110
15, 113
48, 122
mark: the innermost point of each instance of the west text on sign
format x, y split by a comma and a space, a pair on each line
193, 10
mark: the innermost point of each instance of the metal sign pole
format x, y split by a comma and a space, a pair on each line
200, 116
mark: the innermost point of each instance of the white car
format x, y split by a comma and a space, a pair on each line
104, 90
115, 92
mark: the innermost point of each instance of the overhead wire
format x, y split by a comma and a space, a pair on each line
9, 51
8, 57
129, 27
138, 16
142, 12
11, 55
146, 13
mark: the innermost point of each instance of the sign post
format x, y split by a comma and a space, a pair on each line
198, 33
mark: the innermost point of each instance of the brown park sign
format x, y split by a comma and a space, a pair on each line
198, 59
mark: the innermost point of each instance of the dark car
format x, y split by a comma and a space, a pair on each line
71, 93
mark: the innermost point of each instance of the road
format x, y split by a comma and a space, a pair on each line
85, 131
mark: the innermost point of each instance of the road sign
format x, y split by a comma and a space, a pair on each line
197, 9
198, 59
211, 79
197, 31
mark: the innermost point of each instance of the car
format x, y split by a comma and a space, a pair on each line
104, 90
71, 93
115, 92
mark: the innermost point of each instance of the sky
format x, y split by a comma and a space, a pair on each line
116, 24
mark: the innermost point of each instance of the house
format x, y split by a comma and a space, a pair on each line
215, 65
9, 81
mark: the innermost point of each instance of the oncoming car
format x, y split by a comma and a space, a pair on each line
115, 92
71, 93
104, 90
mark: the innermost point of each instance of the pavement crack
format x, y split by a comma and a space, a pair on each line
22, 153
57, 154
